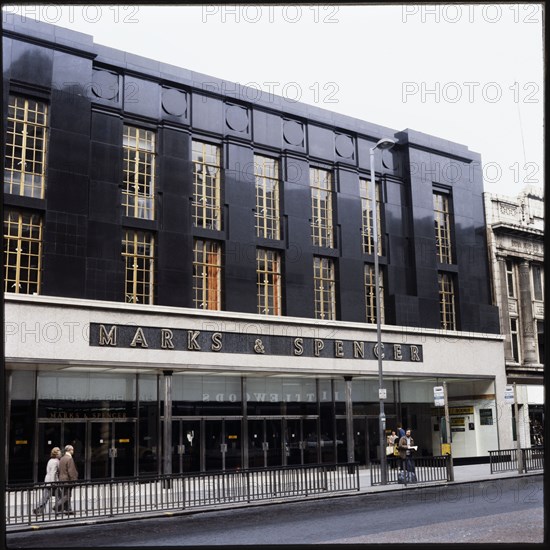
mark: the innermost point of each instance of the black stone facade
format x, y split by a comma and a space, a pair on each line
92, 91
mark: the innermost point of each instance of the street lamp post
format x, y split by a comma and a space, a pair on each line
384, 143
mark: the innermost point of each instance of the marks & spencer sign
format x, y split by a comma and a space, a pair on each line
155, 338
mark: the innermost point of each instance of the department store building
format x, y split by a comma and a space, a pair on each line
189, 281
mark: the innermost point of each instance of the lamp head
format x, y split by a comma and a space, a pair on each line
385, 143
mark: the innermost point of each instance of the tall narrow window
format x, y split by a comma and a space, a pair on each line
367, 227
322, 228
138, 254
268, 270
25, 159
207, 268
139, 173
538, 285
514, 338
370, 294
324, 285
207, 211
442, 221
510, 279
447, 302
266, 174
22, 252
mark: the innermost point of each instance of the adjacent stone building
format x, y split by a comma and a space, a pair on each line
515, 234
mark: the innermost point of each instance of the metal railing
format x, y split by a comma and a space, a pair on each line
426, 469
108, 498
506, 460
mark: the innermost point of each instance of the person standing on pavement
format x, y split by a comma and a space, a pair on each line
67, 472
400, 431
52, 475
406, 448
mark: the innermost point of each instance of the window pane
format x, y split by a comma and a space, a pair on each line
367, 228
268, 269
206, 275
206, 185
22, 252
138, 254
442, 227
322, 231
25, 152
266, 174
324, 288
139, 173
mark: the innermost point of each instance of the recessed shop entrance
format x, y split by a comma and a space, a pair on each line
103, 448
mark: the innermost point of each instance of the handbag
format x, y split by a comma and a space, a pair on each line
389, 450
396, 451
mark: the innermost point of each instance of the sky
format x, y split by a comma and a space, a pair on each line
472, 74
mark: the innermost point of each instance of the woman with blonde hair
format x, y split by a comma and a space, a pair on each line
52, 475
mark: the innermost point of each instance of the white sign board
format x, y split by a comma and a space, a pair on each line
439, 396
509, 395
382, 393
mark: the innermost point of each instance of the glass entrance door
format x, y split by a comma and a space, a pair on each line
74, 433
294, 441
360, 439
49, 436
101, 441
222, 444
186, 446
102, 449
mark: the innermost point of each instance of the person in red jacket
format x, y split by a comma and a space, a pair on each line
67, 472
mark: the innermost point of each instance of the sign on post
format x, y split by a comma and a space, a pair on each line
382, 393
509, 395
439, 396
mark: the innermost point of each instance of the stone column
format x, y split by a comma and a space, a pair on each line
528, 336
167, 427
349, 420
504, 309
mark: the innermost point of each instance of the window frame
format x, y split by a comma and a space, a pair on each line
367, 227
322, 217
201, 196
144, 201
443, 226
207, 286
268, 293
25, 136
370, 294
320, 292
143, 239
18, 239
447, 307
267, 219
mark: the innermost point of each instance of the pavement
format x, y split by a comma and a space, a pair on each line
462, 474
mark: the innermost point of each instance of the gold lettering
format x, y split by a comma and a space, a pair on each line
358, 349
166, 336
397, 355
298, 346
318, 345
139, 338
338, 348
217, 341
414, 353
107, 338
192, 343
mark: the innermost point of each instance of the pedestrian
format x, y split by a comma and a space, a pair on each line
391, 445
406, 448
52, 475
400, 431
67, 472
